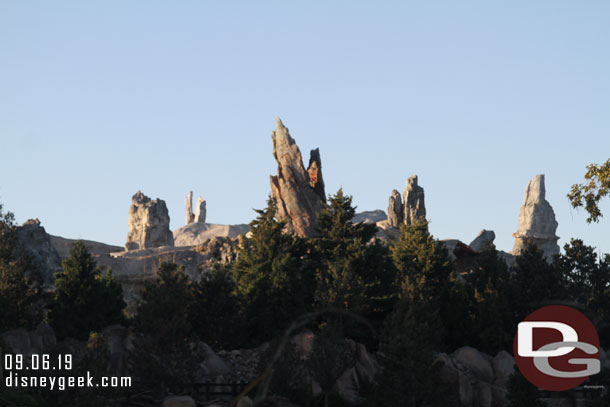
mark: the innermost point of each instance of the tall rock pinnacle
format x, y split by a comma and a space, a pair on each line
395, 210
200, 210
536, 221
415, 207
189, 216
148, 223
299, 193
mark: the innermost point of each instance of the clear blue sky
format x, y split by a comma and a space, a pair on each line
101, 98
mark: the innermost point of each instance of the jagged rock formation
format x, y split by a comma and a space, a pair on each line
536, 221
299, 193
148, 223
483, 241
36, 242
414, 206
201, 211
189, 216
395, 210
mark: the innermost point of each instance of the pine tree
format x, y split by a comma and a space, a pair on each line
424, 266
273, 277
354, 270
162, 356
19, 279
85, 301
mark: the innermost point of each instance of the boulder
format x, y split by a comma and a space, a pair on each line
414, 205
476, 362
503, 365
200, 210
395, 210
189, 217
298, 193
148, 223
483, 241
537, 222
179, 401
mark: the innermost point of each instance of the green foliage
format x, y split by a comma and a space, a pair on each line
85, 301
354, 271
588, 278
423, 264
410, 375
330, 357
215, 312
534, 281
19, 279
494, 323
522, 393
162, 353
589, 193
273, 277
455, 311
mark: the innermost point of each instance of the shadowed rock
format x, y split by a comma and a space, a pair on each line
299, 193
415, 207
395, 210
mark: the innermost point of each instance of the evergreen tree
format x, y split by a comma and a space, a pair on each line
85, 301
162, 357
273, 277
522, 393
493, 318
215, 313
410, 375
19, 279
354, 270
534, 282
423, 263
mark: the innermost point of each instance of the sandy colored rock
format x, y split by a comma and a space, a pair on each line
298, 196
200, 210
536, 221
189, 217
414, 205
148, 223
395, 210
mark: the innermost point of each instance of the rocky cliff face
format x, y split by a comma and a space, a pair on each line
148, 223
536, 221
415, 208
35, 240
299, 193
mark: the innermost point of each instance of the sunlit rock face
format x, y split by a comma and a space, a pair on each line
148, 223
536, 221
298, 193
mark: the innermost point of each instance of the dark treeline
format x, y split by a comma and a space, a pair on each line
414, 301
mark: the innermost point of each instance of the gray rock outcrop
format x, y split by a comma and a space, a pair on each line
395, 210
370, 216
148, 223
483, 241
197, 233
200, 210
537, 222
189, 216
37, 243
480, 380
414, 205
298, 193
